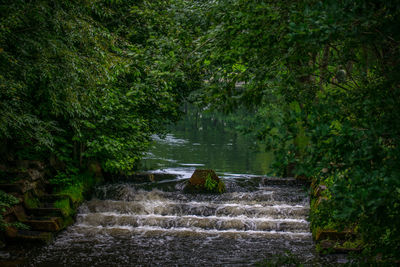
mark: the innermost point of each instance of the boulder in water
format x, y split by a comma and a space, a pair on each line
205, 181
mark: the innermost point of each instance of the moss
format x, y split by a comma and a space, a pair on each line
30, 201
65, 207
75, 192
358, 243
81, 187
205, 181
221, 187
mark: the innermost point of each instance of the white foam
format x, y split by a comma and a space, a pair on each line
197, 230
219, 218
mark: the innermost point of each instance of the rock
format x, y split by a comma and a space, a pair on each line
198, 182
333, 235
34, 174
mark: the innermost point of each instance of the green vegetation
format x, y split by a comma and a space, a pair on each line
65, 207
30, 201
6, 201
319, 80
90, 79
212, 185
76, 188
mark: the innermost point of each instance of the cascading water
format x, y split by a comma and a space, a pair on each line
124, 225
157, 224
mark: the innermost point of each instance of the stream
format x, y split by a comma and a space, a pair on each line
156, 224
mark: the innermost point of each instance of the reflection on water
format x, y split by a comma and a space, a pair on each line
212, 148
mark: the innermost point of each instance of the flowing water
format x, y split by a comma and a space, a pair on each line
156, 224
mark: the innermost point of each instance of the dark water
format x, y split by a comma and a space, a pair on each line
210, 146
156, 224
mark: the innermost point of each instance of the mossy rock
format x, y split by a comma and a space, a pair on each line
205, 181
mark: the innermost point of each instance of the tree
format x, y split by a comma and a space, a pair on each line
324, 76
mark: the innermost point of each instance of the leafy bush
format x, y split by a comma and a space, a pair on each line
324, 81
6, 201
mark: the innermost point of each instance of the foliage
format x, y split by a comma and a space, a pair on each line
76, 188
323, 79
212, 185
63, 179
30, 201
65, 207
90, 79
6, 201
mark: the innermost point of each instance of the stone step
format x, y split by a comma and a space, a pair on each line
332, 246
333, 235
45, 212
19, 187
51, 198
52, 224
22, 236
11, 188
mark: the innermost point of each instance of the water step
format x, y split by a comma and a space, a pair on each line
198, 208
52, 224
213, 222
155, 231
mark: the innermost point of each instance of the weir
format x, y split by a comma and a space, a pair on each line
148, 219
256, 219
